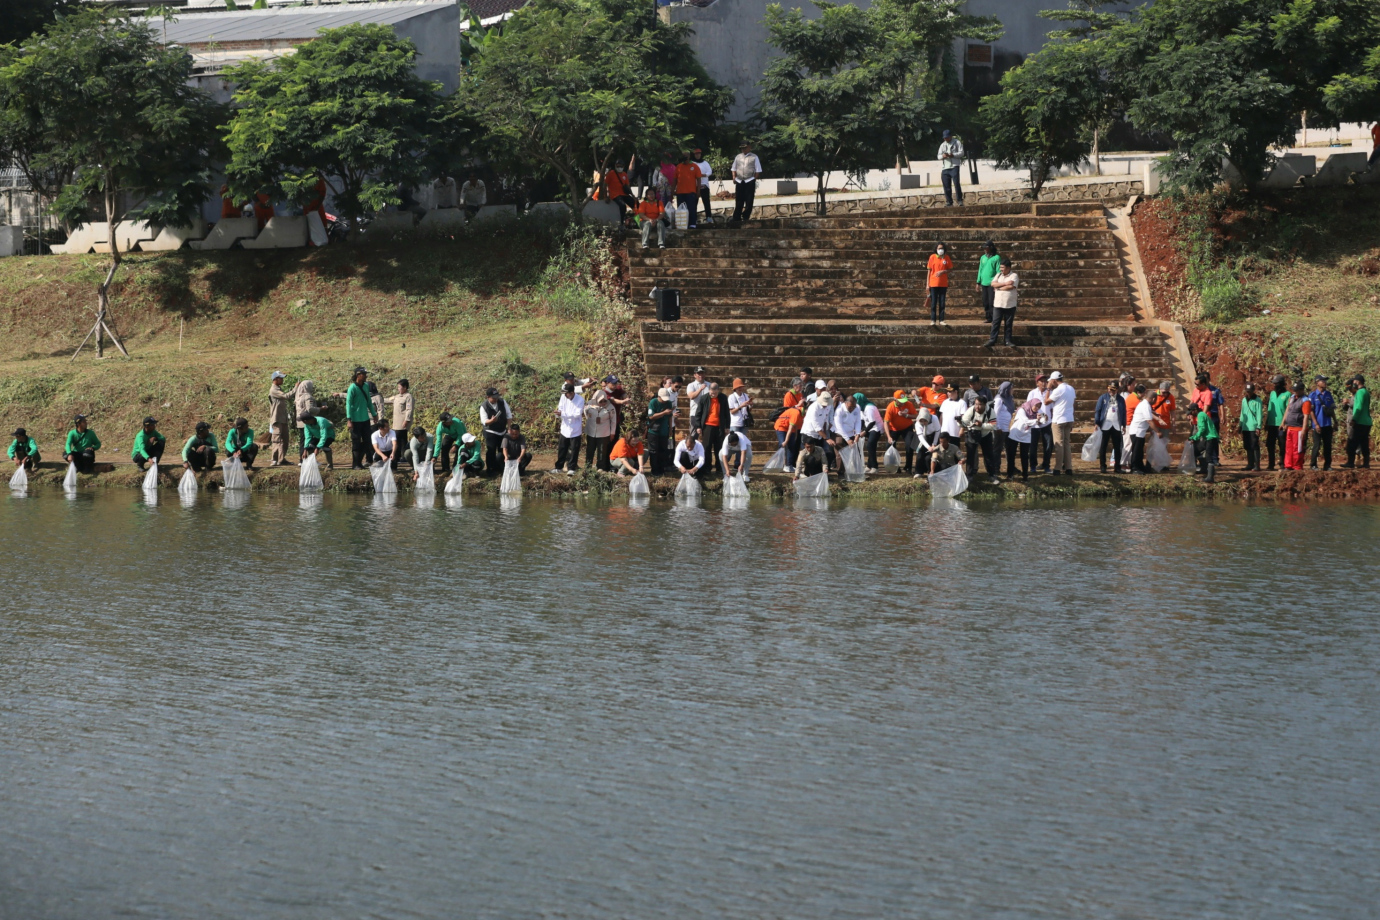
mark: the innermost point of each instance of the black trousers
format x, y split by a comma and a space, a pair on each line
1045, 438
597, 453
522, 464
989, 300
704, 202
873, 437
447, 445
660, 449
1138, 455
1020, 449
30, 460
743, 195
1207, 453
202, 459
902, 439
1111, 440
1358, 442
994, 445
85, 461
712, 437
1000, 319
1322, 438
1274, 437
247, 454
1250, 440
493, 466
939, 298
155, 453
953, 184
361, 451
568, 453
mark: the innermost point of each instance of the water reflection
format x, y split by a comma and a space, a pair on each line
310, 501
187, 499
735, 503
948, 504
510, 503
454, 501
234, 499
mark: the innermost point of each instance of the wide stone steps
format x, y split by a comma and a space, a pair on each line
783, 307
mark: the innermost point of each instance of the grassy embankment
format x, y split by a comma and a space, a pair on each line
513, 309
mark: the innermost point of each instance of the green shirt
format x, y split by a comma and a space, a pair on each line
1274, 412
358, 406
1360, 407
470, 457
14, 445
455, 428
318, 431
1252, 413
1207, 428
194, 443
235, 441
143, 441
78, 441
660, 425
988, 266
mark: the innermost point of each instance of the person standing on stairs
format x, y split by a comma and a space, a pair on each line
688, 187
706, 170
747, 169
988, 264
940, 264
1003, 312
951, 159
1060, 401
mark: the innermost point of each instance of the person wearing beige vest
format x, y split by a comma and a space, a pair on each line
279, 420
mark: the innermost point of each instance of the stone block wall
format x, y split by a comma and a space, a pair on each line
1113, 193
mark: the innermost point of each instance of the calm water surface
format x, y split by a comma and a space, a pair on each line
268, 709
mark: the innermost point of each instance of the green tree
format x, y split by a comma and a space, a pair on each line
21, 18
1090, 20
566, 86
346, 107
106, 113
1035, 122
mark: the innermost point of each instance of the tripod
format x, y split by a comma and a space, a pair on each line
102, 328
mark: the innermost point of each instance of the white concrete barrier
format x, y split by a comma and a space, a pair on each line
280, 233
392, 222
227, 232
1288, 171
605, 212
83, 238
442, 219
11, 241
1337, 170
171, 239
495, 213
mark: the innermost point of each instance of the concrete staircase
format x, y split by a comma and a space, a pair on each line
845, 296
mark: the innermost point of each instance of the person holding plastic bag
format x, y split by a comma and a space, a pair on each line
900, 423
810, 461
689, 455
318, 434
946, 456
847, 436
874, 429
735, 457
239, 443
199, 453
1205, 441
385, 445
470, 459
627, 455
787, 426
1109, 417
24, 452
81, 446
149, 444
514, 448
1141, 426
1022, 424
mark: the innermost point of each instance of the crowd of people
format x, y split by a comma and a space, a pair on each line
925, 430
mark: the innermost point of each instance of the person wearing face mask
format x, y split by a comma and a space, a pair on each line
940, 265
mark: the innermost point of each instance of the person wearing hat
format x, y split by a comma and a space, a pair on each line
360, 416
1041, 435
199, 453
659, 409
932, 396
819, 419
714, 418
697, 385
239, 443
1003, 316
818, 388
900, 419
739, 407
81, 446
787, 426
494, 416
1109, 417
570, 410
747, 169
1060, 401
514, 448
450, 432
988, 264
318, 434
23, 451
1296, 424
702, 163
1358, 434
1250, 420
950, 159
1324, 422
149, 444
613, 389
279, 420
469, 457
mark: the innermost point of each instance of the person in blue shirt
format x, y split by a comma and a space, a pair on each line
1324, 422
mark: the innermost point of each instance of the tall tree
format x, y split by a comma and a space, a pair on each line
104, 96
1091, 20
21, 18
346, 107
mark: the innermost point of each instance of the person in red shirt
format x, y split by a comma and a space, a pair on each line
932, 396
627, 454
652, 217
900, 419
228, 208
940, 265
688, 186
620, 193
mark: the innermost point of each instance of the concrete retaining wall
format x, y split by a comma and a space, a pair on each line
1115, 193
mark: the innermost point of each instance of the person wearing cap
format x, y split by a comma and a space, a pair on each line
81, 446
787, 426
932, 396
847, 423
697, 386
1041, 436
747, 169
735, 456
1003, 316
1060, 401
494, 416
977, 390
988, 264
23, 451
1324, 422
450, 432
199, 453
819, 418
570, 410
627, 454
1276, 401
420, 445
1249, 421
1163, 404
239, 443
739, 406
618, 188
1358, 433
613, 389
951, 415
950, 159
279, 420
599, 422
714, 417
900, 424
1140, 427
318, 434
403, 407
1205, 438
979, 423
706, 171
149, 444
1109, 417
470, 457
659, 409
817, 389
360, 416
939, 266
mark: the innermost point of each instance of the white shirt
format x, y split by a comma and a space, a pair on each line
744, 445
473, 194
1005, 300
705, 172
1140, 419
954, 148
1109, 421
685, 454
816, 420
873, 418
746, 166
847, 424
1003, 416
572, 412
737, 405
384, 441
1020, 427
1036, 394
949, 412
1061, 407
693, 389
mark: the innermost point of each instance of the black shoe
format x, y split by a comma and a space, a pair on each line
1010, 344
1056, 473
1344, 466
990, 345
1104, 471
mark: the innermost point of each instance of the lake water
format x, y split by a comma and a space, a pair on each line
259, 709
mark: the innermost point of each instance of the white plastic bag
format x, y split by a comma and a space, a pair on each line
69, 482
20, 479
734, 487
1092, 446
309, 477
151, 478
187, 485
1157, 453
681, 215
948, 483
638, 485
457, 481
236, 480
816, 486
384, 483
512, 479
777, 463
426, 475
688, 487
851, 458
1187, 463
892, 461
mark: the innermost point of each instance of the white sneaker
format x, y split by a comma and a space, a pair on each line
788, 469
942, 323
934, 322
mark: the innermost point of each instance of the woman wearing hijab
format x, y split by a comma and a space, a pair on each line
304, 401
1026, 420
1006, 412
874, 426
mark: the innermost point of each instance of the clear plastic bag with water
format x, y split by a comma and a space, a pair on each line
69, 482
236, 479
426, 475
512, 479
1092, 446
151, 478
456, 482
816, 486
638, 485
852, 459
187, 485
1157, 453
948, 483
309, 477
688, 487
382, 474
734, 487
1188, 463
892, 461
20, 479
777, 463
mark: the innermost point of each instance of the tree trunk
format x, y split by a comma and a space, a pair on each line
821, 208
1039, 173
103, 321
1096, 151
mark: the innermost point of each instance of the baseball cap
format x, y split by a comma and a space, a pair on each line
467, 438
947, 132
20, 433
821, 385
358, 371
701, 370
150, 420
491, 392
938, 380
1056, 376
278, 375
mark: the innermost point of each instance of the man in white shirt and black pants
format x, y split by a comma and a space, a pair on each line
1060, 402
706, 171
747, 169
950, 161
571, 412
1004, 302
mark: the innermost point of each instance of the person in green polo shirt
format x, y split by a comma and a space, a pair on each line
23, 451
1251, 420
450, 434
199, 453
318, 434
988, 264
1358, 436
471, 457
1206, 440
1275, 404
360, 416
239, 443
149, 444
81, 446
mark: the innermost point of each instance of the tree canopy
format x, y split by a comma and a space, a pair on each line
21, 18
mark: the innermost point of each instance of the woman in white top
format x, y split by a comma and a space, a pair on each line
1024, 423
1006, 411
385, 444
874, 428
1041, 435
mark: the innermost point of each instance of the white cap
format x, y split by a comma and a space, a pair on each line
820, 384
1056, 376
467, 438
278, 375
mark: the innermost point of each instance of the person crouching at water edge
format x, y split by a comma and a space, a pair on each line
628, 453
318, 434
81, 447
810, 461
149, 444
199, 453
239, 443
514, 448
23, 451
689, 456
945, 454
736, 456
385, 445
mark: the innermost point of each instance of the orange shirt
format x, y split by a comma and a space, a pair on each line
713, 419
622, 449
932, 397
1163, 406
650, 210
791, 418
617, 183
687, 179
792, 398
1307, 408
939, 267
901, 416
1132, 400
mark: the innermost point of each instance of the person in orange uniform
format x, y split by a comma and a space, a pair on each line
940, 265
1163, 404
795, 396
688, 186
228, 208
900, 419
788, 425
933, 395
263, 208
651, 215
616, 183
